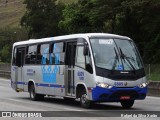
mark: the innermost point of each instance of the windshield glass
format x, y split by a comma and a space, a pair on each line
115, 54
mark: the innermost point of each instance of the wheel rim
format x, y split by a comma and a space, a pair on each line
84, 99
32, 93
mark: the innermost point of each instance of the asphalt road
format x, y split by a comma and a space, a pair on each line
12, 101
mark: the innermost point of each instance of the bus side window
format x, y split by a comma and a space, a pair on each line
39, 56
27, 57
83, 61
18, 57
43, 55
14, 57
31, 54
80, 59
57, 53
88, 63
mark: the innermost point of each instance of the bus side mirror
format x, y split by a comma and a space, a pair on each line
85, 50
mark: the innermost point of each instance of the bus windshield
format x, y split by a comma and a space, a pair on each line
116, 54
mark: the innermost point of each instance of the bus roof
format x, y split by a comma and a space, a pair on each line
72, 36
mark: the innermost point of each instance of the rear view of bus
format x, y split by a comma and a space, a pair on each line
120, 75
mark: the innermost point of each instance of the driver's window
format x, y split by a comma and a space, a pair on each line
80, 58
83, 61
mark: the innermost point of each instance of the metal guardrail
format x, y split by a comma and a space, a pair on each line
5, 74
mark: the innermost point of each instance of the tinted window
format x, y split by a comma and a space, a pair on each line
80, 58
57, 53
43, 56
31, 55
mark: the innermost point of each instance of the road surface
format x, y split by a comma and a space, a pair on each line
13, 101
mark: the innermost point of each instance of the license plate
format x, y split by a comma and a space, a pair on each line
125, 97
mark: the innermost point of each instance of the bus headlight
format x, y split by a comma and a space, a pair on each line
143, 85
103, 85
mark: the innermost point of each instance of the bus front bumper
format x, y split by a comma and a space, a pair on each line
116, 94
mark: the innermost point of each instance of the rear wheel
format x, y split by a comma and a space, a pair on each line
33, 95
127, 103
84, 100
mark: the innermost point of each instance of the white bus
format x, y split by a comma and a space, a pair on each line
95, 67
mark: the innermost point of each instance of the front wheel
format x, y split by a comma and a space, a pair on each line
84, 101
33, 95
127, 103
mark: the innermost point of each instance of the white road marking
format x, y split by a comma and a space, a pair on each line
152, 97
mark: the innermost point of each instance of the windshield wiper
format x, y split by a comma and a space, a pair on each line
126, 58
116, 58
116, 54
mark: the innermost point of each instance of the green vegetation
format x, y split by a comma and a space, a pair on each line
138, 19
155, 77
154, 72
42, 17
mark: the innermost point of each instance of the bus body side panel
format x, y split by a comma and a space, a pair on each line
86, 78
47, 80
13, 77
59, 86
33, 73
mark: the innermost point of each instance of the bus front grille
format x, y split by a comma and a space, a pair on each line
131, 93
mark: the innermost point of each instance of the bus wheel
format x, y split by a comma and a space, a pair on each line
84, 101
33, 95
127, 103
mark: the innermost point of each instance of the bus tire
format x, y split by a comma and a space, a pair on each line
127, 103
33, 95
85, 103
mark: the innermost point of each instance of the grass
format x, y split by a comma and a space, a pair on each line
11, 13
154, 77
153, 72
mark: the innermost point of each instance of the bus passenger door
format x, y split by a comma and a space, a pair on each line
19, 66
70, 63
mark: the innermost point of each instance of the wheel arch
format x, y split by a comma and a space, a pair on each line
31, 82
79, 87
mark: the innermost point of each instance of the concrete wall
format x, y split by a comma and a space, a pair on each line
5, 67
154, 89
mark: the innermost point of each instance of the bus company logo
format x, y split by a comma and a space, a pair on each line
49, 72
6, 114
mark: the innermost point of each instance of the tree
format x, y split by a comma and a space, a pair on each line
6, 53
42, 17
138, 19
7, 37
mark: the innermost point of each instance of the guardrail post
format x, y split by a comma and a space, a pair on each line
149, 71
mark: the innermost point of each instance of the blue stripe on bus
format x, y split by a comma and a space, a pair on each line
22, 83
43, 85
50, 85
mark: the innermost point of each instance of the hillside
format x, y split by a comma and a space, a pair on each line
11, 12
